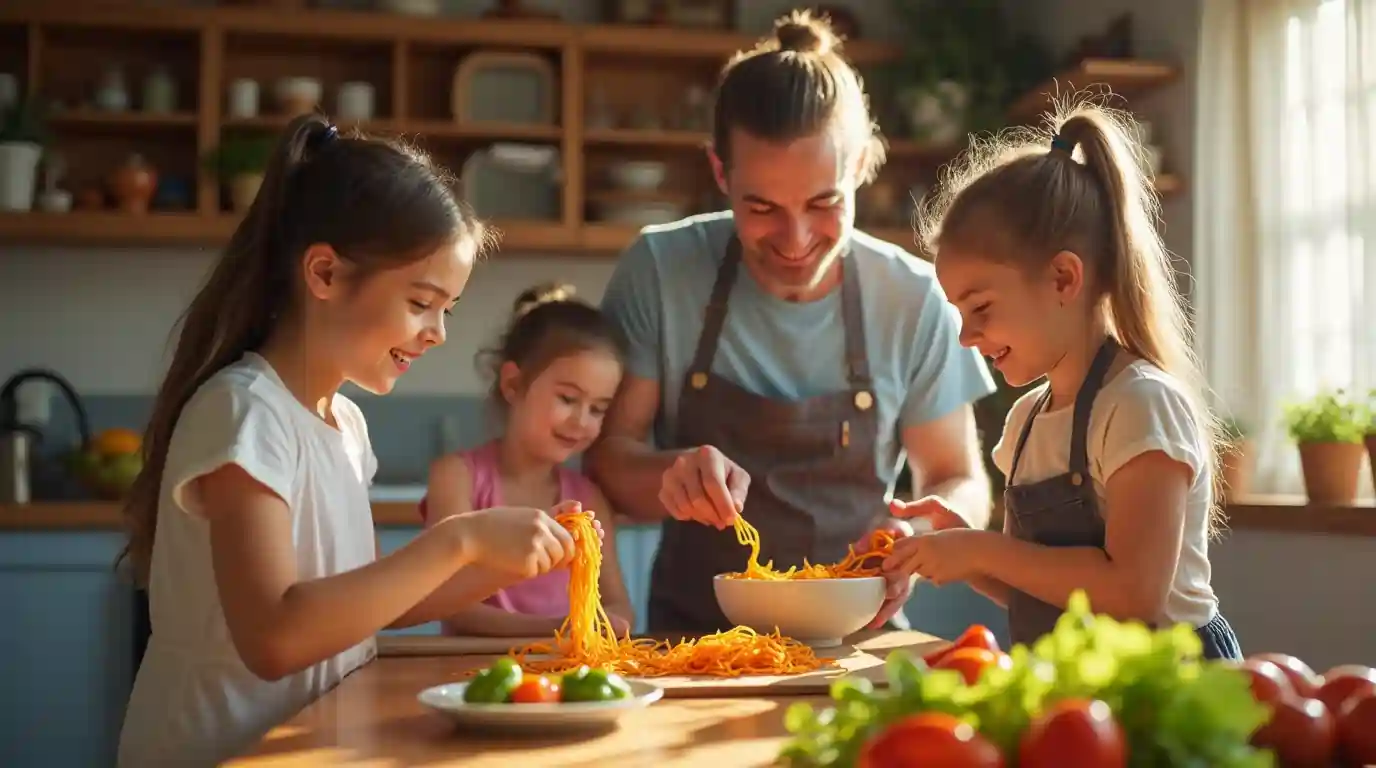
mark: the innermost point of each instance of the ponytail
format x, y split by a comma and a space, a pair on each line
374, 201
1083, 188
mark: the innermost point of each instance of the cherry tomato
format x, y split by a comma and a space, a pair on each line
1074, 733
971, 662
1341, 683
975, 636
1269, 682
1302, 677
1301, 733
929, 740
1357, 729
535, 689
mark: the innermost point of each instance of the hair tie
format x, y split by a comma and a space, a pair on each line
1057, 142
320, 139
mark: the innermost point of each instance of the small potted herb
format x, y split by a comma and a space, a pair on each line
1371, 432
240, 162
22, 136
1329, 430
1235, 464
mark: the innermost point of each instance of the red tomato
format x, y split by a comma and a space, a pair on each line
929, 740
535, 689
971, 662
1302, 677
1269, 683
1074, 733
1341, 683
975, 636
1301, 733
1357, 729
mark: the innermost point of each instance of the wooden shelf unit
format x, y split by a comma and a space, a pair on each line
410, 62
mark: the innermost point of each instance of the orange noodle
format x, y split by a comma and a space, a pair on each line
587, 636
851, 566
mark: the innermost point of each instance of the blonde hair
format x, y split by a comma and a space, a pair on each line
1079, 184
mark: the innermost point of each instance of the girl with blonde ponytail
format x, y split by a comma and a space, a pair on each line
1046, 243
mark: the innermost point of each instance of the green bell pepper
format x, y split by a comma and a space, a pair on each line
494, 684
586, 684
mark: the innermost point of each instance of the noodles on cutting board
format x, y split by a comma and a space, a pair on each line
588, 637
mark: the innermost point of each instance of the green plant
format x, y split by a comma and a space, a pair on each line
970, 43
1329, 417
24, 123
240, 155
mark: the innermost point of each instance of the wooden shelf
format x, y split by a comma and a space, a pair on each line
410, 60
1124, 78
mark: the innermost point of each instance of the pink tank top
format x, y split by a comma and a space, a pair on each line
545, 595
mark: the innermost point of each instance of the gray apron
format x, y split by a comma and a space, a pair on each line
813, 486
1063, 511
1060, 511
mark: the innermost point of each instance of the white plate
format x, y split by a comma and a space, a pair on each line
448, 701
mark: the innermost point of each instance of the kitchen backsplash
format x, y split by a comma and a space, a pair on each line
407, 431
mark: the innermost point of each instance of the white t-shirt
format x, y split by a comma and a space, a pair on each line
194, 702
1140, 409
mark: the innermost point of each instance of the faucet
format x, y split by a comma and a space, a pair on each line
9, 401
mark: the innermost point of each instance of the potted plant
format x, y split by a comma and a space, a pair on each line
1236, 462
1371, 432
239, 162
1329, 430
22, 137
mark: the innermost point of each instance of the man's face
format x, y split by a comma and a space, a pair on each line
794, 207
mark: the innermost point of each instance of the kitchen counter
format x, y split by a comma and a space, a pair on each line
397, 507
373, 719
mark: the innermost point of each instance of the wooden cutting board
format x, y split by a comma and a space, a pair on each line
862, 655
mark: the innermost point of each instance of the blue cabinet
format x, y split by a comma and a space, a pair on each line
67, 650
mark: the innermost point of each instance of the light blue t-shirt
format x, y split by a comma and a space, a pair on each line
658, 296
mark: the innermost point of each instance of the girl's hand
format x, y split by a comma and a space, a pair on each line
619, 624
518, 540
940, 557
565, 507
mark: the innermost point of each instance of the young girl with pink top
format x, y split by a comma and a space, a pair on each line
554, 375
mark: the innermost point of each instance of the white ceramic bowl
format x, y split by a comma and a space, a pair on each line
447, 700
637, 174
819, 612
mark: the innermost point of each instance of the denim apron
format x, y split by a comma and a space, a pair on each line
1063, 511
814, 488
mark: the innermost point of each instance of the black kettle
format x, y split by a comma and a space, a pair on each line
17, 439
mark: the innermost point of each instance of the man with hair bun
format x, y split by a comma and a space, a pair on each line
781, 363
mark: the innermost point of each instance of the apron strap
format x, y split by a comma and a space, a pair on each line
715, 317
853, 316
1084, 406
1026, 430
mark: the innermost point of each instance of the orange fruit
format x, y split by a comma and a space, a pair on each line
117, 442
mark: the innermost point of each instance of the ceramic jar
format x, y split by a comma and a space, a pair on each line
132, 185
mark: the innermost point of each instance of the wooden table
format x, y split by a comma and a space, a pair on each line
373, 719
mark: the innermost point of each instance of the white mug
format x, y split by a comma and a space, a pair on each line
243, 98
355, 101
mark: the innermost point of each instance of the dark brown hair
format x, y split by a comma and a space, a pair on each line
794, 84
547, 323
378, 203
1018, 198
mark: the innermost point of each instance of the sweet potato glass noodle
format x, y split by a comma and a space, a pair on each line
587, 636
851, 566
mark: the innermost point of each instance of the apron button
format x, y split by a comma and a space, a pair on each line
699, 380
863, 400
1076, 479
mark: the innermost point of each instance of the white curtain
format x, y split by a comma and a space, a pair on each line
1285, 211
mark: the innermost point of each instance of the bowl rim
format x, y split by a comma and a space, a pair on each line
831, 580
